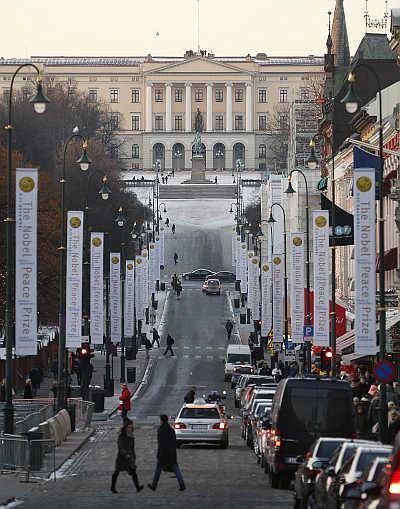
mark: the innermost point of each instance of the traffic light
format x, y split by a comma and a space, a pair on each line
326, 360
85, 354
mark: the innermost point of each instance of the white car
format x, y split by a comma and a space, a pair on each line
201, 422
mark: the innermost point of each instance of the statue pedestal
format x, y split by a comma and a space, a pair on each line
198, 175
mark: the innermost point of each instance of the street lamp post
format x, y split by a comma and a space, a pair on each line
352, 102
120, 222
39, 101
84, 163
272, 220
290, 190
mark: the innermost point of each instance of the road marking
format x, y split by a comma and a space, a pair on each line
197, 356
210, 357
209, 347
197, 347
186, 347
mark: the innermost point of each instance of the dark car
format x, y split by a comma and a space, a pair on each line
303, 410
198, 274
316, 459
224, 275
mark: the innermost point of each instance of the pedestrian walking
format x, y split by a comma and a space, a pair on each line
229, 329
126, 459
176, 258
36, 378
156, 338
3, 390
178, 289
173, 172
166, 454
216, 180
173, 228
28, 392
190, 396
170, 342
125, 402
166, 179
174, 282
167, 221
163, 180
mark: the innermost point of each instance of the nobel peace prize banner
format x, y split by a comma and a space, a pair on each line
250, 293
365, 254
297, 286
26, 261
243, 267
139, 292
73, 322
158, 258
277, 299
266, 302
321, 276
96, 288
233, 246
129, 296
145, 268
115, 297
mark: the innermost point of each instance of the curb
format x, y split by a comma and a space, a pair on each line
92, 431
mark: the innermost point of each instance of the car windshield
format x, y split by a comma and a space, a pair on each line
264, 395
261, 410
238, 357
349, 451
366, 457
326, 449
213, 282
259, 380
199, 413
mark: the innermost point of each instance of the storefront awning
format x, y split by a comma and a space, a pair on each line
390, 260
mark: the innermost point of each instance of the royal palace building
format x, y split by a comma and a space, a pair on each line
153, 103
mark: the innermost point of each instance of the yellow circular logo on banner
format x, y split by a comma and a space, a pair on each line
129, 266
162, 228
151, 246
138, 261
265, 268
244, 246
115, 260
250, 254
237, 238
144, 254
157, 239
297, 241
96, 242
254, 261
320, 221
26, 184
364, 184
75, 222
277, 260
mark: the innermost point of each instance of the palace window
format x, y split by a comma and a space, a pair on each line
93, 95
283, 95
262, 122
178, 95
262, 95
219, 122
158, 95
262, 151
198, 95
114, 120
239, 122
135, 95
158, 123
114, 152
178, 123
114, 95
136, 122
239, 95
135, 152
219, 95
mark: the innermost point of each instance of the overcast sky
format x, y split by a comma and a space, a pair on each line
130, 27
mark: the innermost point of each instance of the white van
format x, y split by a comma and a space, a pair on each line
236, 354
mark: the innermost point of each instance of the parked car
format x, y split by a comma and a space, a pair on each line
197, 275
258, 394
201, 422
351, 471
315, 460
224, 275
325, 478
213, 287
303, 410
260, 409
238, 371
247, 393
249, 380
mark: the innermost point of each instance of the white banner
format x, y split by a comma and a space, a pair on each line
73, 308
129, 298
365, 254
277, 297
238, 269
158, 259
26, 261
297, 286
233, 246
115, 297
243, 267
250, 293
266, 302
320, 221
139, 283
152, 268
162, 246
254, 287
277, 212
96, 288
145, 268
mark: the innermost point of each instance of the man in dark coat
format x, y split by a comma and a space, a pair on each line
170, 342
156, 337
190, 395
166, 454
126, 459
229, 329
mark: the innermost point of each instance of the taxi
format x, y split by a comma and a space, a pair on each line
201, 422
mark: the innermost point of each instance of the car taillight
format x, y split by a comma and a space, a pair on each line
179, 425
394, 486
220, 425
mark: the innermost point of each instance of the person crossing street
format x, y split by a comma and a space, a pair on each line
229, 329
173, 227
125, 402
176, 258
170, 342
156, 338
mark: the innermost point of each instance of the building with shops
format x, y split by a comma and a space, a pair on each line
153, 102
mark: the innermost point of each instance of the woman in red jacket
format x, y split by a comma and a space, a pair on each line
125, 401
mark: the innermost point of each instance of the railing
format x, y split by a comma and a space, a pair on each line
21, 454
137, 182
251, 182
83, 412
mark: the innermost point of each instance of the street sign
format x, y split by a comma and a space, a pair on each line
385, 371
308, 331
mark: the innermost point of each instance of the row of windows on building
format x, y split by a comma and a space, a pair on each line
262, 95
262, 151
178, 125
